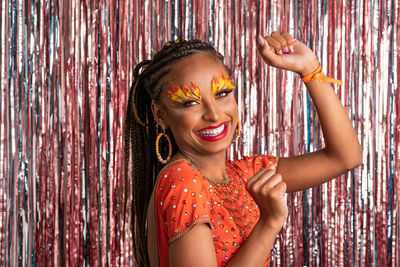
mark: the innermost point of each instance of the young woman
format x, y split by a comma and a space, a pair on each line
203, 210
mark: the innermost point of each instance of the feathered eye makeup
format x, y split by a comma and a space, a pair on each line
220, 84
185, 95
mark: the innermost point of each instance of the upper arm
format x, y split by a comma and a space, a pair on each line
194, 248
309, 170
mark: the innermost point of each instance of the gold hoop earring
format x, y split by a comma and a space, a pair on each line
238, 132
159, 157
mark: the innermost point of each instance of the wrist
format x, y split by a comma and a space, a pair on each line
317, 74
309, 68
264, 236
270, 227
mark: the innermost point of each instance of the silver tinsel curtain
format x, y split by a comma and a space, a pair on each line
65, 71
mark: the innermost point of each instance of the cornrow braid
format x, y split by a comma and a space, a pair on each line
140, 161
134, 90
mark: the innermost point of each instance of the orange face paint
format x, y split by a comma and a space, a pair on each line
221, 83
185, 93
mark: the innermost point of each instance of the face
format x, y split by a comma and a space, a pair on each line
198, 105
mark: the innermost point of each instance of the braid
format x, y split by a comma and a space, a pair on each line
141, 131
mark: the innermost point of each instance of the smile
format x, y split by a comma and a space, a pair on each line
213, 133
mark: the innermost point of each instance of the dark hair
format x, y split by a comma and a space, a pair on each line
141, 131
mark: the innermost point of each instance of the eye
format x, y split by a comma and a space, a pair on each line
223, 93
189, 103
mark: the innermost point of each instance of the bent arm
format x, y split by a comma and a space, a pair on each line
342, 150
256, 248
196, 248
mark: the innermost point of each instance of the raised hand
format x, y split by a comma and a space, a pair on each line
282, 51
268, 191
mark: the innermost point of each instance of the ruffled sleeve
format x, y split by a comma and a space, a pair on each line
183, 199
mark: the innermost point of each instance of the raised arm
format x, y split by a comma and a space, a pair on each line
342, 151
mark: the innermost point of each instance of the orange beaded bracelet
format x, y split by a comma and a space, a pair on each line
317, 74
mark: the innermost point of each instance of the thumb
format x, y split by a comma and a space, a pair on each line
268, 53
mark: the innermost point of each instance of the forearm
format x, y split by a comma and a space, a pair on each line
256, 249
342, 150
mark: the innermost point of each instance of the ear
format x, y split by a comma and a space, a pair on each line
159, 114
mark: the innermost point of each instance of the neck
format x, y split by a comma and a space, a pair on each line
212, 166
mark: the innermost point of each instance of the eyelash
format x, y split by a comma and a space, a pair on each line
187, 104
226, 92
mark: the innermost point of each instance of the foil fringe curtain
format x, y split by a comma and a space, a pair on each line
65, 71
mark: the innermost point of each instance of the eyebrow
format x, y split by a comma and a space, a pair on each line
183, 93
221, 83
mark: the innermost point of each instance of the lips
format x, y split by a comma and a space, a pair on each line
213, 133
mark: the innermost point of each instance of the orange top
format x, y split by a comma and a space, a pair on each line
184, 198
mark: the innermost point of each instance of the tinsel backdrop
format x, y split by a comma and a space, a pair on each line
66, 69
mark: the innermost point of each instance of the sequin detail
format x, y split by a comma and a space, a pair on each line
227, 207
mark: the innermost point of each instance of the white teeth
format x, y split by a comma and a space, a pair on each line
213, 132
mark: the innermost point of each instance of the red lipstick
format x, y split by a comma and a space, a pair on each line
213, 138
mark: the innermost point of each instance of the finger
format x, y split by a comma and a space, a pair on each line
274, 43
289, 40
270, 183
254, 178
261, 172
266, 51
278, 195
281, 188
282, 41
266, 181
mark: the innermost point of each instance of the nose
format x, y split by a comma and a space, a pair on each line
212, 112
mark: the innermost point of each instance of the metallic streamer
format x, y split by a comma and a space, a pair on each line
65, 72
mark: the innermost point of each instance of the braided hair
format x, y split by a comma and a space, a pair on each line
141, 131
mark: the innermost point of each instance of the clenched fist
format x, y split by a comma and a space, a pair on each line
268, 191
282, 51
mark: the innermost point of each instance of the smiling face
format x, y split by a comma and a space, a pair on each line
197, 103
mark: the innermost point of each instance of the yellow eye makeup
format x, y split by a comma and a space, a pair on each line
221, 83
185, 93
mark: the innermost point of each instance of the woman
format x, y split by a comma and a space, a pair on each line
205, 210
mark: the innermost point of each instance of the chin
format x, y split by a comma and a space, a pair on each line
218, 147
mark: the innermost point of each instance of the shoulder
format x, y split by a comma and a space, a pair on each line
180, 180
252, 164
180, 172
181, 199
